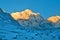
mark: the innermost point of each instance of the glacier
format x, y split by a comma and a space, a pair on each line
11, 29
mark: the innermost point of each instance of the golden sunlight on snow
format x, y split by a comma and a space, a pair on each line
22, 15
54, 19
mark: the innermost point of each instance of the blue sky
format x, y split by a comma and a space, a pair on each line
45, 7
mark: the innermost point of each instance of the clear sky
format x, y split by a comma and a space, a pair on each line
45, 7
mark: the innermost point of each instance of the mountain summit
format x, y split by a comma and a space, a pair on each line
23, 15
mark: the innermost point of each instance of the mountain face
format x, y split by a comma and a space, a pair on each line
25, 26
31, 20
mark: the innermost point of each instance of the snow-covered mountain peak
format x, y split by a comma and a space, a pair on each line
23, 15
54, 19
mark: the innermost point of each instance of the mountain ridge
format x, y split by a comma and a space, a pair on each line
11, 29
32, 18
